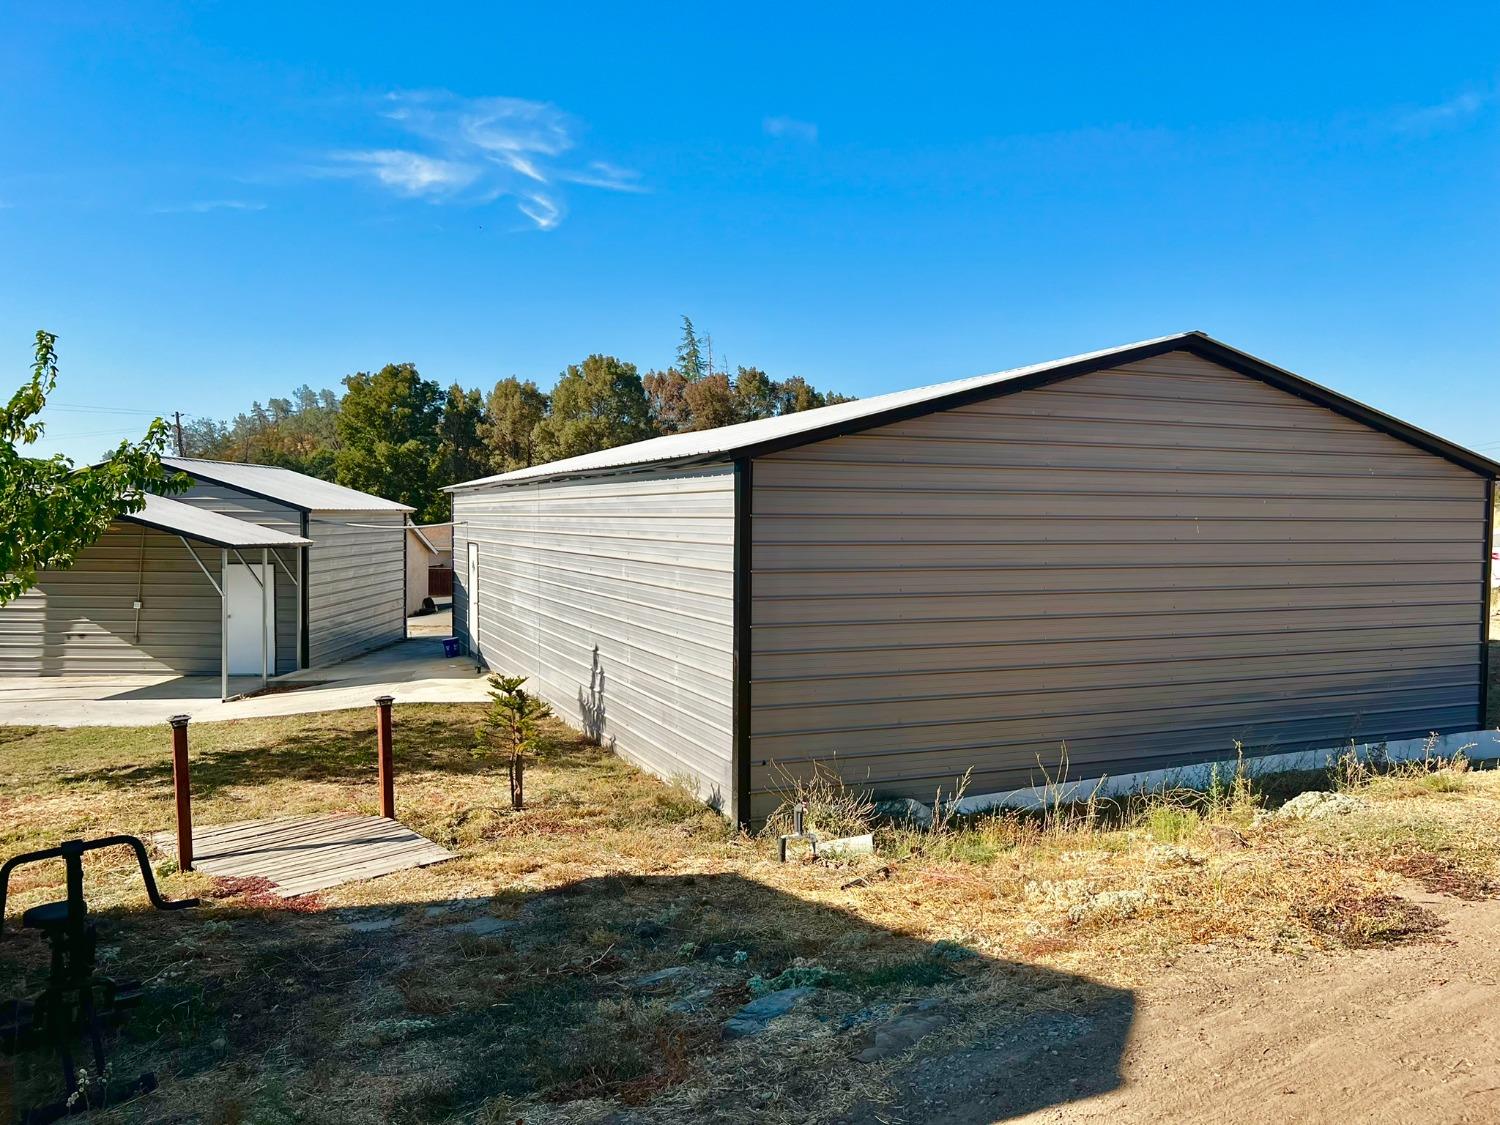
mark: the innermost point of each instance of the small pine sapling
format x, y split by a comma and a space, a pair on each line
512, 726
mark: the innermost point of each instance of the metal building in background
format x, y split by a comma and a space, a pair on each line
171, 588
353, 595
1132, 559
253, 571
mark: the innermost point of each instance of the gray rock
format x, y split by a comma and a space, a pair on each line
904, 812
370, 925
486, 926
663, 977
1318, 805
755, 1016
903, 1030
694, 1001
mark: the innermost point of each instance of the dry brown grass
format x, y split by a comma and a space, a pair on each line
260, 1013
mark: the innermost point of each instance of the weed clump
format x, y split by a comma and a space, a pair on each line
833, 809
1358, 920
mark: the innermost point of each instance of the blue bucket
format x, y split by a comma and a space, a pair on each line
450, 646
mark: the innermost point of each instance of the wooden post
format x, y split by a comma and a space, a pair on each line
383, 752
184, 792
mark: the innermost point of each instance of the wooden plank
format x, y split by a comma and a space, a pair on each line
363, 869
336, 857
303, 854
220, 842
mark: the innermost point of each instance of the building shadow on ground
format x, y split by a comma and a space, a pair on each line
620, 999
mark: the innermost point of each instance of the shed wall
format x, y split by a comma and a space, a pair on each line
356, 588
1144, 564
227, 501
81, 620
614, 597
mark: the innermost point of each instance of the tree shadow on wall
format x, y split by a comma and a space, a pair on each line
591, 703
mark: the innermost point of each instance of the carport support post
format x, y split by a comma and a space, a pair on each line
184, 793
265, 598
224, 623
383, 753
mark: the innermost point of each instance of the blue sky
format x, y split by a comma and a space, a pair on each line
214, 203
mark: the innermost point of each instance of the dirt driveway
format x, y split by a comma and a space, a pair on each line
1399, 1034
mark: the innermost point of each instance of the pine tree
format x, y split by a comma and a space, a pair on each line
689, 353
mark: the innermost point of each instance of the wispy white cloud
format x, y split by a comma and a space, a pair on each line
203, 206
601, 175
1455, 111
542, 210
478, 150
791, 129
410, 173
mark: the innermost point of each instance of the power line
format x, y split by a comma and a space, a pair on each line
69, 408
95, 433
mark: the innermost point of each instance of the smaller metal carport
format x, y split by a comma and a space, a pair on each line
231, 536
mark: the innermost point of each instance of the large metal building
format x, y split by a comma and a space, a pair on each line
1138, 558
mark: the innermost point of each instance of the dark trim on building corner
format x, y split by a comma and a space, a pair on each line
248, 492
304, 642
1487, 573
1329, 399
739, 759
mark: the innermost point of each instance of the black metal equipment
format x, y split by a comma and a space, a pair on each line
798, 832
77, 1003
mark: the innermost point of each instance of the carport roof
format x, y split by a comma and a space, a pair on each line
177, 518
286, 485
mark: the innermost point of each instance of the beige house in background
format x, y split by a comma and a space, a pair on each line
429, 564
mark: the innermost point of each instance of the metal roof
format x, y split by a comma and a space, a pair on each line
286, 485
767, 435
177, 518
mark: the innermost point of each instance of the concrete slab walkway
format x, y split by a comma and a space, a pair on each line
414, 671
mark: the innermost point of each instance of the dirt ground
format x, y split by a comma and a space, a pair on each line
590, 960
1396, 1034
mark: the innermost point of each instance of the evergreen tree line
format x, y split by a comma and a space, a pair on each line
400, 436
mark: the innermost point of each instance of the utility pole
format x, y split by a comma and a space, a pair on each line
177, 424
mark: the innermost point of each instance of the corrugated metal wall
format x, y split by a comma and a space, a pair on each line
227, 501
80, 620
356, 583
614, 597
1145, 564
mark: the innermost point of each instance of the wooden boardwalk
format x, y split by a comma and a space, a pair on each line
308, 853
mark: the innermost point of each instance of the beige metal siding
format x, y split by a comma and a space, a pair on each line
81, 620
227, 501
418, 560
614, 597
1145, 564
356, 590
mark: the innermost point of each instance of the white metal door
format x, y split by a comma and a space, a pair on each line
242, 593
471, 598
